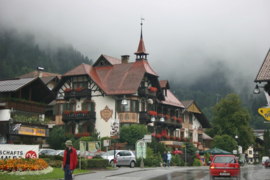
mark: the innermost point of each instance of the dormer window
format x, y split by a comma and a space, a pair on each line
101, 63
164, 92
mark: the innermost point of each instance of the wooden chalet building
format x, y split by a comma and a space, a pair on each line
88, 97
25, 96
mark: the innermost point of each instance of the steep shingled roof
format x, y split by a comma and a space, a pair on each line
264, 72
116, 79
170, 99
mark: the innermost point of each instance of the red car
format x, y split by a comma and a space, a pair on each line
224, 166
267, 163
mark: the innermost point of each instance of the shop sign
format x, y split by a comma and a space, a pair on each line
141, 149
32, 131
265, 112
8, 151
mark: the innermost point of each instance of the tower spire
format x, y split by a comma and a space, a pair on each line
141, 53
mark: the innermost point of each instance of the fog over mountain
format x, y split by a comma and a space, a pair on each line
186, 40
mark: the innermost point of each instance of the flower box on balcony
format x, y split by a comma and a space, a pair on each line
86, 134
85, 112
153, 89
184, 139
160, 115
167, 116
67, 90
78, 135
168, 137
78, 89
180, 119
174, 118
77, 112
151, 113
153, 134
173, 138
178, 138
158, 136
66, 112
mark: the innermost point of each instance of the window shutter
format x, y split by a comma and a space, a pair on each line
57, 109
54, 110
92, 106
80, 128
137, 106
83, 106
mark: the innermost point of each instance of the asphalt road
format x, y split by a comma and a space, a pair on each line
248, 172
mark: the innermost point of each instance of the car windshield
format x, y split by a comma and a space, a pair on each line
267, 160
224, 159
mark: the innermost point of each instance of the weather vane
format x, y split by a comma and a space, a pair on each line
142, 19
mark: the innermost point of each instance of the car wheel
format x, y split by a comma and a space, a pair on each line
112, 163
212, 177
132, 164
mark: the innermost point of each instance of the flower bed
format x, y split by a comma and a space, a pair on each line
22, 165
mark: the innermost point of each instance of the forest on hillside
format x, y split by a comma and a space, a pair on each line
20, 54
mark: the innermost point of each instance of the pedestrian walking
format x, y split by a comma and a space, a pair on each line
169, 157
164, 157
69, 160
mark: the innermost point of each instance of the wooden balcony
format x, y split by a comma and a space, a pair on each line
90, 116
144, 91
78, 94
24, 106
146, 118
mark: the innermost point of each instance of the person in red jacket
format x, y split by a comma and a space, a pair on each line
69, 160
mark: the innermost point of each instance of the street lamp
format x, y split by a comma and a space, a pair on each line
123, 103
236, 137
256, 90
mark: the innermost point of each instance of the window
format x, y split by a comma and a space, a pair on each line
177, 133
200, 139
191, 135
88, 105
190, 118
250, 152
79, 84
127, 153
130, 107
182, 134
143, 105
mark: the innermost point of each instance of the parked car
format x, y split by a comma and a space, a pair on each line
264, 158
124, 158
224, 166
86, 155
45, 151
56, 153
267, 163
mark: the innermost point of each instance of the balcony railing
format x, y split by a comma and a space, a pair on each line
256, 155
24, 106
144, 91
78, 94
146, 118
91, 116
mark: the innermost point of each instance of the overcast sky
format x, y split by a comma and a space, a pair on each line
183, 37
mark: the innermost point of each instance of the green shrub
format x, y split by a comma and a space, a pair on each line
177, 161
150, 161
197, 162
93, 163
46, 159
51, 157
55, 163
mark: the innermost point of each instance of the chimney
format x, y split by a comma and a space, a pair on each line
40, 69
125, 59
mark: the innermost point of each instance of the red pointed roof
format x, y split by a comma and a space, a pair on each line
141, 47
116, 79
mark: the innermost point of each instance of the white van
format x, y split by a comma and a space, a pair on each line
264, 158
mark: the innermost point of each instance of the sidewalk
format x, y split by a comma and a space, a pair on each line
132, 173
